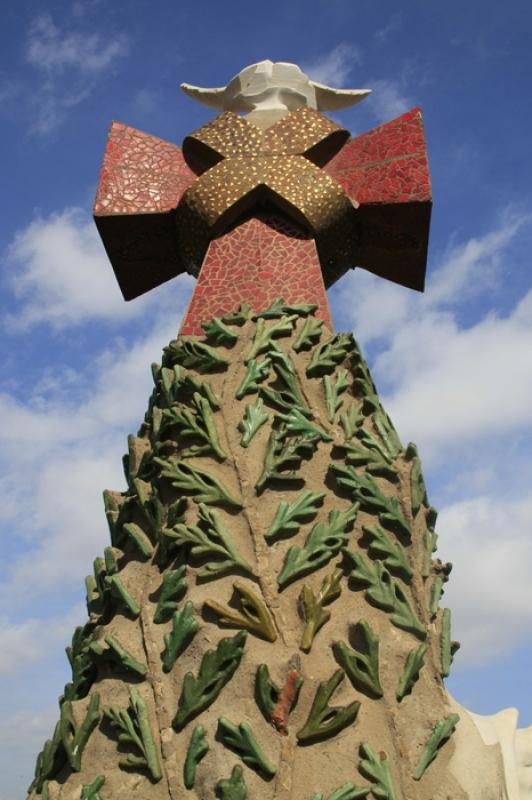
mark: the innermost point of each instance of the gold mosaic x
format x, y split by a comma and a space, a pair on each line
243, 165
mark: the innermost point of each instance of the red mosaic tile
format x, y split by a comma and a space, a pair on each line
262, 259
140, 174
387, 164
384, 172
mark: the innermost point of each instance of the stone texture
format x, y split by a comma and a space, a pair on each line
398, 729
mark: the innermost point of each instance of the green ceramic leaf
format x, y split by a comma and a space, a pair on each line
324, 541
373, 461
136, 734
256, 372
184, 628
417, 484
387, 432
254, 615
290, 516
177, 386
441, 732
122, 595
91, 791
113, 503
436, 592
275, 310
361, 663
216, 669
234, 788
199, 483
297, 424
391, 553
333, 389
266, 691
265, 335
287, 376
152, 508
311, 607
431, 542
279, 308
448, 648
50, 761
410, 673
138, 457
197, 749
172, 589
351, 420
363, 382
189, 352
217, 332
346, 792
384, 592
199, 425
242, 740
327, 355
309, 334
375, 767
116, 653
254, 418
75, 736
140, 540
325, 721
84, 670
237, 317
210, 540
283, 457
282, 399
365, 491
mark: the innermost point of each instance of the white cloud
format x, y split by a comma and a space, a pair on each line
70, 63
52, 49
489, 540
68, 452
459, 384
462, 384
388, 99
58, 269
148, 101
49, 106
36, 727
469, 266
81, 8
335, 67
380, 309
22, 736
66, 437
63, 443
382, 35
23, 643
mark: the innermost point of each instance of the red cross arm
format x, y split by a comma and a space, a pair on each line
385, 173
142, 180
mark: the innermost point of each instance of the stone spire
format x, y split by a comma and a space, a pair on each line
266, 620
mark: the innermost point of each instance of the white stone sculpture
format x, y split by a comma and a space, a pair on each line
272, 89
492, 754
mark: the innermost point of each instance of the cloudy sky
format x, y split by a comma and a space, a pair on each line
454, 365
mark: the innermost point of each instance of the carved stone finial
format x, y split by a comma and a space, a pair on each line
274, 86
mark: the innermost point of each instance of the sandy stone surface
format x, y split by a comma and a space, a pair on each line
396, 730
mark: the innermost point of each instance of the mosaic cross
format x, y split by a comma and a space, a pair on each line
261, 213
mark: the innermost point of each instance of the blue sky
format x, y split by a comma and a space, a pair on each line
454, 365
